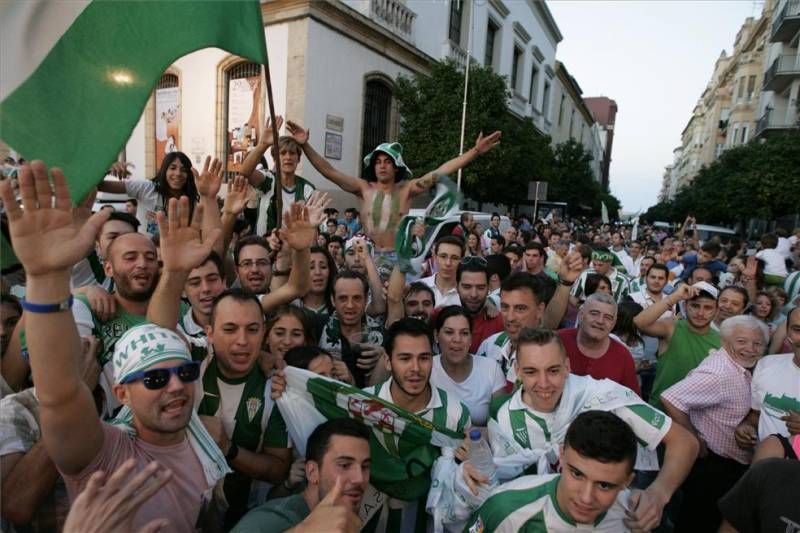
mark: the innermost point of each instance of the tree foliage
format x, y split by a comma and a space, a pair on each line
755, 180
430, 107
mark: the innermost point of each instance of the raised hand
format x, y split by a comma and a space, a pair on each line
299, 134
239, 193
266, 135
316, 205
183, 247
44, 233
209, 181
109, 504
571, 267
120, 169
330, 514
298, 231
484, 144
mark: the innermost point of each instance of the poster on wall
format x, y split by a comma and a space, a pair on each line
167, 131
244, 108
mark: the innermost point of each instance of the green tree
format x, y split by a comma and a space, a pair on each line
572, 180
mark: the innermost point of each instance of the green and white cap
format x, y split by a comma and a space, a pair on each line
393, 150
144, 346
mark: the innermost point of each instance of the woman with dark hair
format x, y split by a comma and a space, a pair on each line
473, 380
318, 300
174, 179
627, 333
287, 326
597, 283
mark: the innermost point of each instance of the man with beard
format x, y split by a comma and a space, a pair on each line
418, 302
358, 258
683, 343
253, 265
472, 279
522, 304
337, 468
153, 375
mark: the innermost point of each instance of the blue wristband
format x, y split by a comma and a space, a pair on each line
66, 305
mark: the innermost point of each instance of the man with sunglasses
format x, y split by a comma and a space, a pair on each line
472, 279
152, 369
447, 251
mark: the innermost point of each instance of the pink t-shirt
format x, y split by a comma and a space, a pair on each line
181, 500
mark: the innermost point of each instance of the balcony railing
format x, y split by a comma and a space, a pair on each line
395, 16
787, 23
769, 122
780, 74
455, 52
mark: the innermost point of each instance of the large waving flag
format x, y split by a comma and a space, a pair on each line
75, 75
403, 448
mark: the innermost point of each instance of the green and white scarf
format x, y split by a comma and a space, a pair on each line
139, 349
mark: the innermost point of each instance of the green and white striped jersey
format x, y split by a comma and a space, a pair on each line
528, 504
619, 284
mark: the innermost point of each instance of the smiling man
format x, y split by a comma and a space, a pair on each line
202, 286
590, 493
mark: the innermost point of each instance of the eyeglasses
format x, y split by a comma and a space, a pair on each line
249, 263
451, 258
474, 260
157, 378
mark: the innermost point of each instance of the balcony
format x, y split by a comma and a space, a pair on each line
783, 70
787, 23
769, 123
456, 53
395, 16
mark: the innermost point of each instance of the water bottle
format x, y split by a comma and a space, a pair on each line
480, 455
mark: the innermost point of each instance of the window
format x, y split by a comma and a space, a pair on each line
456, 10
491, 34
735, 133
534, 82
571, 122
561, 108
377, 112
546, 101
751, 87
745, 132
515, 68
740, 94
242, 84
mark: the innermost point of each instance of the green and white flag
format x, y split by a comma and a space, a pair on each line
403, 446
603, 213
76, 74
447, 201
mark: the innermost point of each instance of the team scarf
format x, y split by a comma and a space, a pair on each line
444, 205
140, 348
403, 445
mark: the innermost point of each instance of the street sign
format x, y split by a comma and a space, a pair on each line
537, 191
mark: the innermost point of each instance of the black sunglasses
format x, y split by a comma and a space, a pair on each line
471, 260
157, 378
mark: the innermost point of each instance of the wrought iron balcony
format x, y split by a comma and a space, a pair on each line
769, 123
787, 23
780, 74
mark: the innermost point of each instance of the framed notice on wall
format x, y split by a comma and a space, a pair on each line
244, 101
333, 145
167, 132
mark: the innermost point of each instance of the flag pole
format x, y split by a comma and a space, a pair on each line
278, 185
466, 87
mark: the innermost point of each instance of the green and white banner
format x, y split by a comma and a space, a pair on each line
404, 446
76, 74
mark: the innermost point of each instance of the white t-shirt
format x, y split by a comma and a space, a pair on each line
149, 204
775, 262
476, 391
443, 299
775, 392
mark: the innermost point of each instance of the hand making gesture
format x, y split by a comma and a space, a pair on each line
209, 181
183, 247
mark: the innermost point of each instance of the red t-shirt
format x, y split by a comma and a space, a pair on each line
483, 328
616, 364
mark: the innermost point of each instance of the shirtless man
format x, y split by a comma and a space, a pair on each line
387, 188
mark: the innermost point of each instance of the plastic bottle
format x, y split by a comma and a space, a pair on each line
480, 455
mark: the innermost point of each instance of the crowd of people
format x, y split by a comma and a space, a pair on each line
623, 378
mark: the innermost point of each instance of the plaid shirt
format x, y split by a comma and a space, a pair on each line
19, 431
716, 396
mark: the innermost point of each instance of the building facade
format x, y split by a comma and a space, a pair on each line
604, 110
779, 105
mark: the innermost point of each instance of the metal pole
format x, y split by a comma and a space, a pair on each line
466, 87
536, 204
278, 185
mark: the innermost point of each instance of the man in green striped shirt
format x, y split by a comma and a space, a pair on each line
602, 263
590, 494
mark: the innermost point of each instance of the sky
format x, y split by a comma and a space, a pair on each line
654, 58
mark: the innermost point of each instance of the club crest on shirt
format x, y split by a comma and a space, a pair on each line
253, 405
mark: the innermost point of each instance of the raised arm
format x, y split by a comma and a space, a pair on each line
346, 183
571, 268
648, 320
183, 247
208, 183
377, 304
254, 156
299, 233
48, 243
394, 296
482, 145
